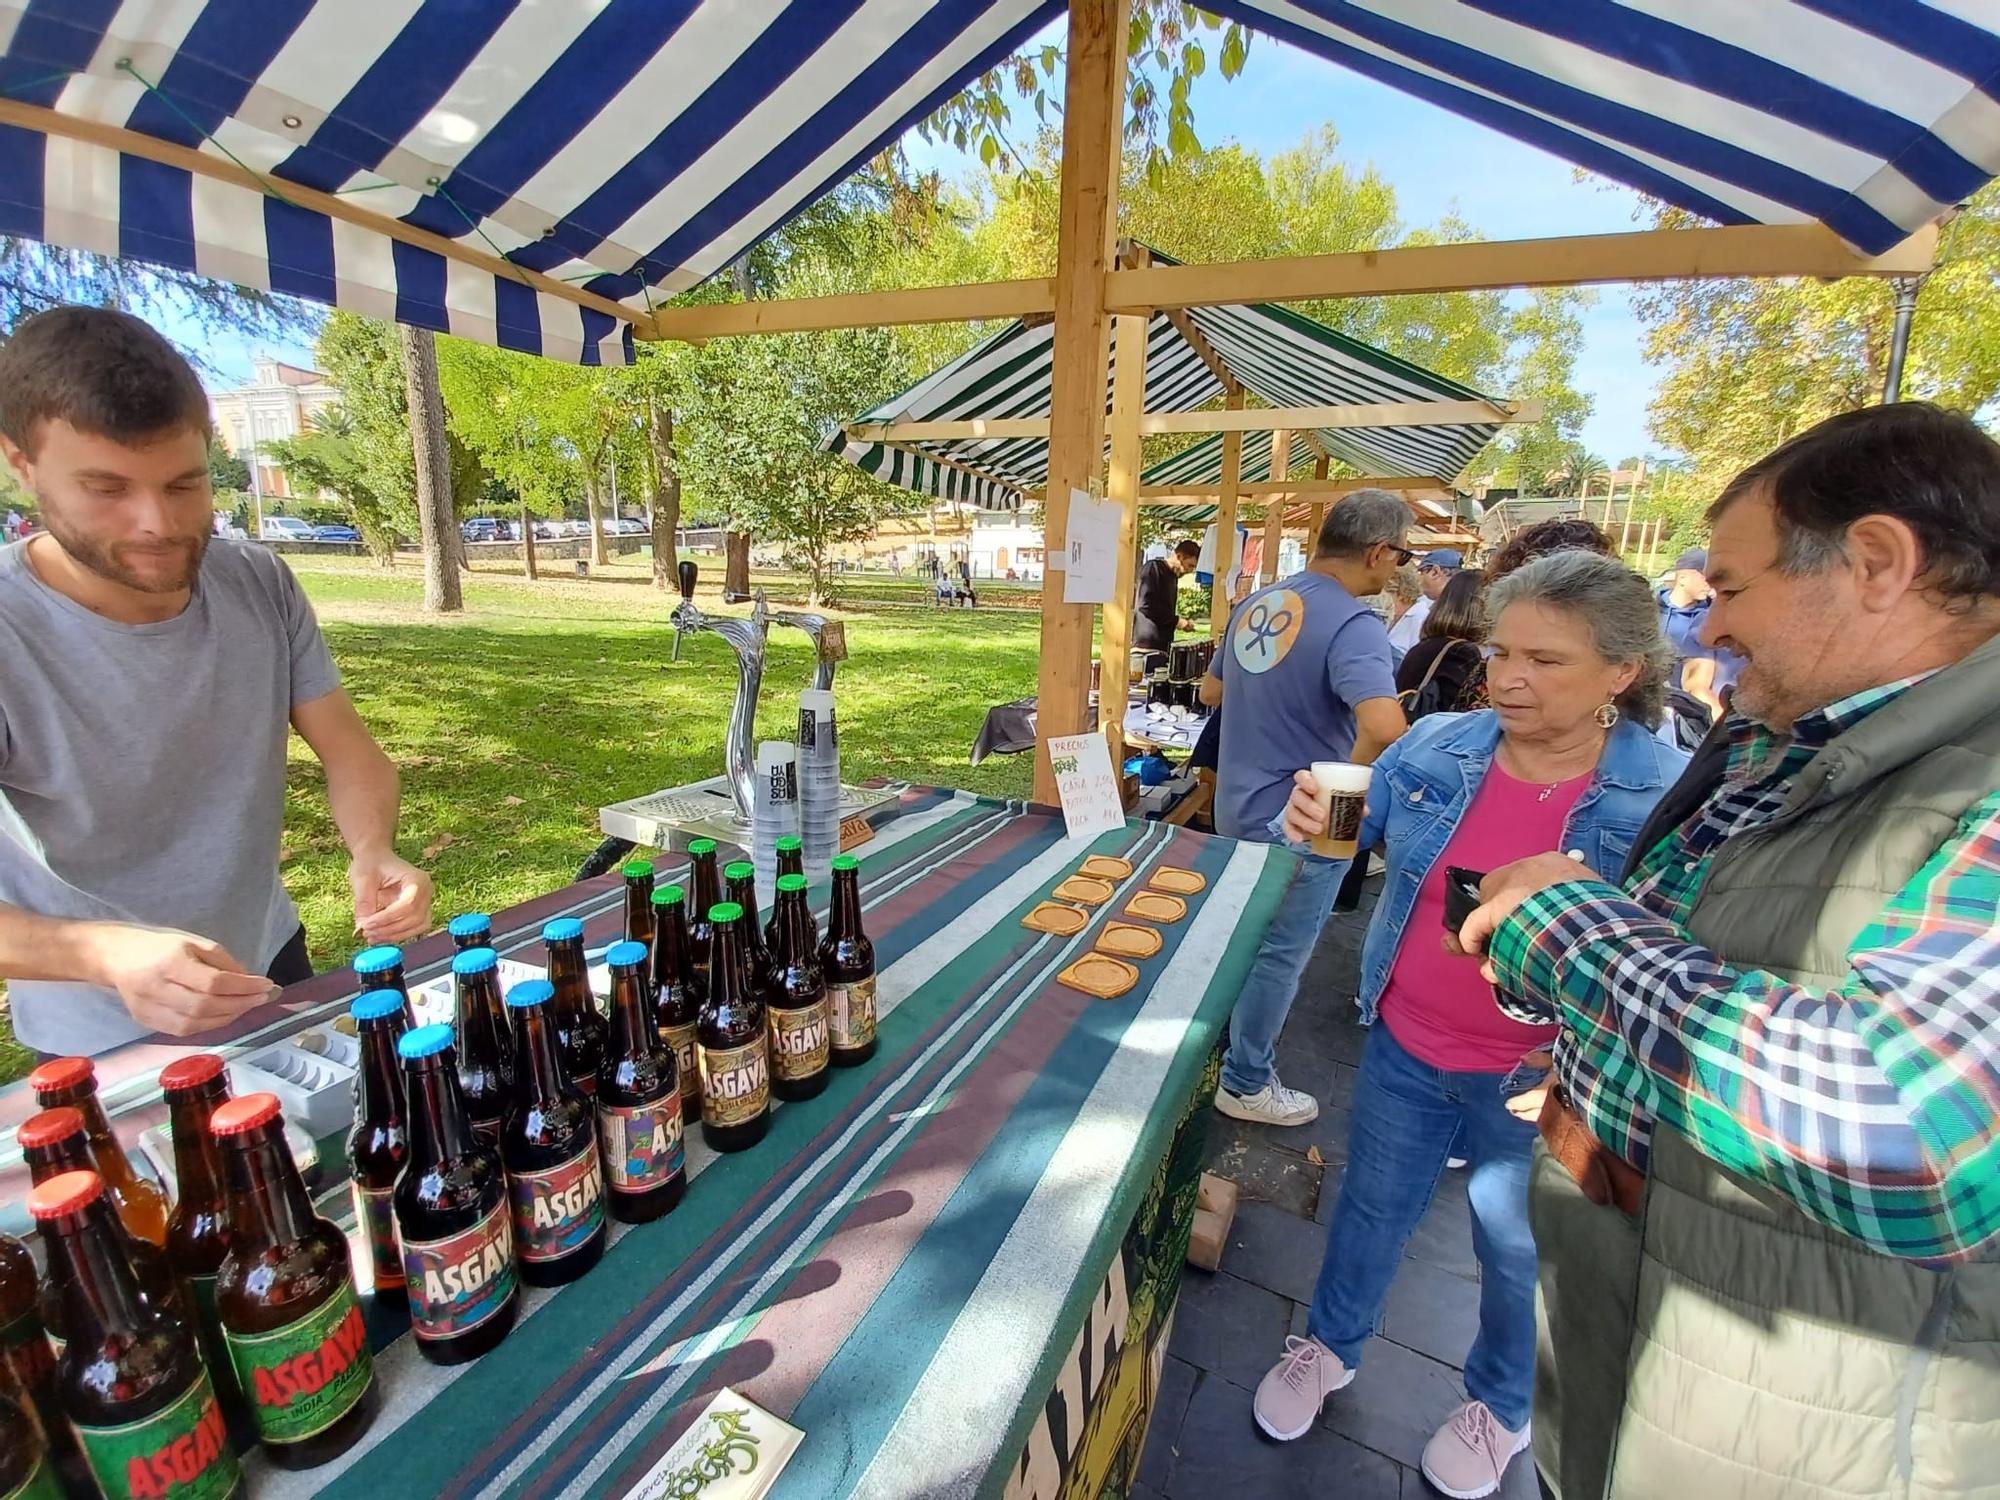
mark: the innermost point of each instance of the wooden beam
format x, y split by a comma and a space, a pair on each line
1086, 231
1182, 494
347, 210
1316, 517
1572, 260
1032, 299
1225, 520
1274, 513
1128, 399
1192, 336
1260, 419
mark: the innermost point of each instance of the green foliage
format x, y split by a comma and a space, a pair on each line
331, 457
225, 470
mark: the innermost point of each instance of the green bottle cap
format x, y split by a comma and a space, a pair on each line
724, 911
699, 847
791, 882
669, 895
846, 862
739, 869
791, 843
638, 869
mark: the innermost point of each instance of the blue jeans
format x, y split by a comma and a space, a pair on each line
1273, 979
1406, 1114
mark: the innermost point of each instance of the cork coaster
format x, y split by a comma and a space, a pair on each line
1148, 906
1053, 916
1095, 974
1105, 867
1083, 888
1126, 941
1179, 882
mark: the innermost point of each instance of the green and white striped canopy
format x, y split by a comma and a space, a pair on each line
1279, 356
1199, 468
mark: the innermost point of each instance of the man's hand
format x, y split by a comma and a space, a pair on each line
1527, 1105
392, 898
1506, 888
173, 981
1184, 624
1305, 819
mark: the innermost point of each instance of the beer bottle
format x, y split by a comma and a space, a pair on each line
198, 1228
740, 887
451, 1213
130, 1380
286, 1297
791, 861
678, 992
381, 968
706, 891
379, 1144
638, 875
799, 1041
549, 1147
485, 1045
579, 1028
638, 1099
473, 929
25, 1354
141, 1203
848, 959
27, 1466
733, 1042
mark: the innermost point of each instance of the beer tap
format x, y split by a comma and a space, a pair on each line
828, 638
746, 638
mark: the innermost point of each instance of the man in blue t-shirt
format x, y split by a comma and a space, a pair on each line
1702, 675
1307, 674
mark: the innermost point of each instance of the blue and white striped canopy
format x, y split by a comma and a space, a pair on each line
632, 148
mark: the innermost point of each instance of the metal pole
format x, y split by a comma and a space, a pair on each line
1899, 339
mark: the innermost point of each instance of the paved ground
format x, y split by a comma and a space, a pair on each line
1231, 1325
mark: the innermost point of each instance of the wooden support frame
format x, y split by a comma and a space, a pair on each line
1225, 520
1257, 489
1128, 399
1274, 513
1316, 516
1229, 419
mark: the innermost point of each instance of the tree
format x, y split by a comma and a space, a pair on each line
505, 407
329, 457
225, 470
432, 462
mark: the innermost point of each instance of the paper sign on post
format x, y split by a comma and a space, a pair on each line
1086, 783
1091, 550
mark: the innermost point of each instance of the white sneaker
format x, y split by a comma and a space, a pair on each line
1273, 1104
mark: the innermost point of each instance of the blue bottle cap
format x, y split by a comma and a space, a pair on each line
377, 1005
626, 953
562, 930
531, 992
471, 924
376, 960
425, 1041
474, 961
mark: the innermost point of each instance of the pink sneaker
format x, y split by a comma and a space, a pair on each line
1467, 1456
1289, 1397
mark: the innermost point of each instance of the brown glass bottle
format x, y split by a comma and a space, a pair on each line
471, 929
847, 958
451, 1213
791, 861
25, 1353
638, 875
142, 1204
130, 1380
733, 1041
638, 1099
579, 1028
484, 1042
555, 1180
678, 993
378, 1144
381, 968
739, 885
705, 890
198, 1228
797, 998
27, 1467
286, 1298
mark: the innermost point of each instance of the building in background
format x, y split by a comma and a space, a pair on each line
281, 401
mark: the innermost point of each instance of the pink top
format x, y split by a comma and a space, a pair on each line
1436, 1005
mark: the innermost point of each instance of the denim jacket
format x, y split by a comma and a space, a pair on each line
1424, 783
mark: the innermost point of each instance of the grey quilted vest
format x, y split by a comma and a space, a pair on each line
1773, 1357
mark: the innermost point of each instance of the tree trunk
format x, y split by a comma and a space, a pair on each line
443, 592
736, 566
528, 542
598, 556
666, 495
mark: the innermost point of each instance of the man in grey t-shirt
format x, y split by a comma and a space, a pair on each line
149, 678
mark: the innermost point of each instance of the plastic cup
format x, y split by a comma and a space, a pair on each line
1342, 790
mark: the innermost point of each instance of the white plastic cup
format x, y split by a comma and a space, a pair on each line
1342, 792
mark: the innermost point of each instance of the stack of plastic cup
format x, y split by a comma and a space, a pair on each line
774, 815
819, 781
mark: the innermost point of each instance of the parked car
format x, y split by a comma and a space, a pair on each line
480, 529
547, 531
286, 529
626, 526
337, 531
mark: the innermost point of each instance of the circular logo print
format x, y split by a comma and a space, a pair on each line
1269, 626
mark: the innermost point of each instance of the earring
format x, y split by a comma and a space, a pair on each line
1606, 715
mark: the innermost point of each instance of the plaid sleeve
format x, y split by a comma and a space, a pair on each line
1875, 1107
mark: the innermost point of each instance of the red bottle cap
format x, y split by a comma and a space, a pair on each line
190, 1072
247, 1113
48, 1127
61, 1073
65, 1193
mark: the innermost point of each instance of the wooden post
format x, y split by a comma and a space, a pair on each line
1128, 399
1225, 519
1318, 514
1086, 228
1274, 513
1625, 531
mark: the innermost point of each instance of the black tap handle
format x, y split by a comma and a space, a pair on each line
689, 572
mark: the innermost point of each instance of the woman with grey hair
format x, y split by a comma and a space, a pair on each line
1562, 758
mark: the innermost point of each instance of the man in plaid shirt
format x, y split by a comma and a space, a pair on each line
1781, 1042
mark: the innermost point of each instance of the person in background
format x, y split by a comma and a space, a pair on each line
1402, 590
1434, 675
1702, 674
1434, 570
1157, 615
1305, 672
1768, 1198
1565, 757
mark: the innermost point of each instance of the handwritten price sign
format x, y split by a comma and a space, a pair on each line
1086, 783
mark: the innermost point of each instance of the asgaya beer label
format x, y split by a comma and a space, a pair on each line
853, 1013
557, 1211
735, 1082
681, 1039
799, 1041
460, 1281
374, 1211
180, 1451
642, 1143
41, 1484
26, 1349
302, 1378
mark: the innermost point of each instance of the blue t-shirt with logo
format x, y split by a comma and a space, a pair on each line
1299, 655
1681, 623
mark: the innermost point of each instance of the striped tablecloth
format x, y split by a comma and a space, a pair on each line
900, 1268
